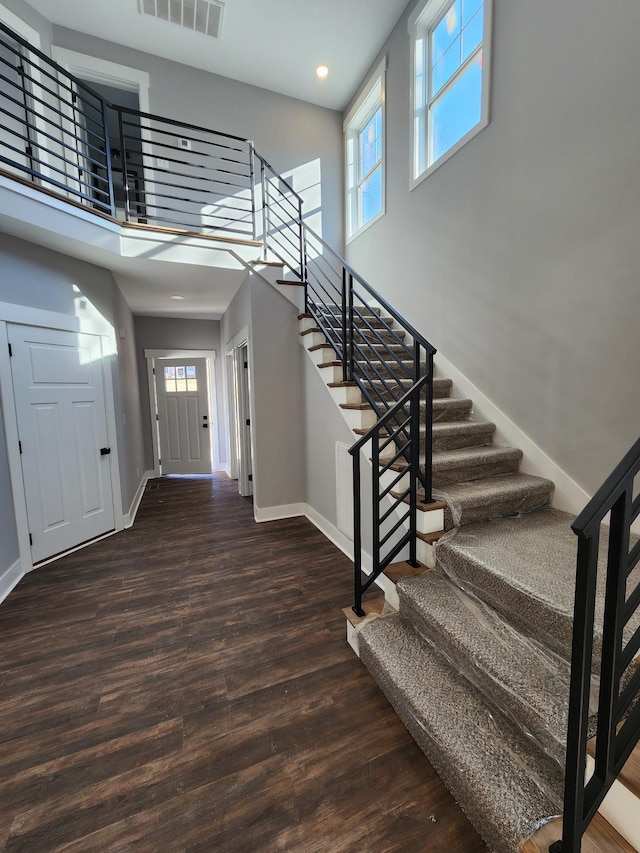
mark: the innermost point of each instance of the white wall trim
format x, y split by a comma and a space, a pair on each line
276, 513
96, 70
10, 579
130, 516
568, 495
20, 27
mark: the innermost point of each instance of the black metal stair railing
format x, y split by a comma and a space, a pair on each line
618, 726
392, 365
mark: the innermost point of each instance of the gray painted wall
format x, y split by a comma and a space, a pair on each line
324, 427
34, 19
168, 333
290, 133
519, 258
276, 378
39, 278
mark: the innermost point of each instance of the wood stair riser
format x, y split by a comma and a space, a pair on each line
359, 418
313, 338
347, 395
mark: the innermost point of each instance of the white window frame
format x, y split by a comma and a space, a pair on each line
422, 20
371, 98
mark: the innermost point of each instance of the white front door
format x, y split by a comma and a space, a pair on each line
184, 422
60, 407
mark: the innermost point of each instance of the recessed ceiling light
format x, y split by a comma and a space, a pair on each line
322, 71
177, 297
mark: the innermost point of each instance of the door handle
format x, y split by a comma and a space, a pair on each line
105, 451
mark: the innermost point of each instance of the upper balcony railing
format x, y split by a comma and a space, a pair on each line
61, 135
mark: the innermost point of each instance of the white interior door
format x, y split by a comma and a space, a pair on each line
60, 406
184, 420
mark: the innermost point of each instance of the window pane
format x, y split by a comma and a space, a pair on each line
169, 384
469, 9
472, 36
445, 68
181, 385
447, 31
370, 151
191, 371
192, 384
169, 373
371, 196
455, 112
180, 372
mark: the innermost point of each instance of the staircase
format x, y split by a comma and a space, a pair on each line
474, 652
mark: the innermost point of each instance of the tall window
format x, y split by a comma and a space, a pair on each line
364, 136
451, 76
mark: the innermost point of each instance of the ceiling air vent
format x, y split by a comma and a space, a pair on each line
200, 16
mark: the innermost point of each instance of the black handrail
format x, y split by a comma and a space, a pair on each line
618, 726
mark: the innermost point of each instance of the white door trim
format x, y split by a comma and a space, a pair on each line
243, 338
210, 354
26, 316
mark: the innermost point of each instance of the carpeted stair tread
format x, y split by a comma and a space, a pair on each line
474, 463
495, 497
486, 763
525, 567
451, 435
519, 676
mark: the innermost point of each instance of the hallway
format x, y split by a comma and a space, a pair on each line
186, 686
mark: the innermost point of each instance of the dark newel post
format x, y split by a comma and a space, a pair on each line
613, 625
303, 254
428, 436
252, 173
357, 537
375, 503
581, 655
351, 327
343, 313
265, 222
107, 154
414, 455
123, 158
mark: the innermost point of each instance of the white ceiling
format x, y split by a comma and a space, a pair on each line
274, 44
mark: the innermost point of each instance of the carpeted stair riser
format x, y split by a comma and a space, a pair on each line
518, 676
385, 390
525, 568
467, 464
468, 433
380, 370
496, 497
488, 765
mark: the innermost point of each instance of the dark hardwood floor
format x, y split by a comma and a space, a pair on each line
186, 686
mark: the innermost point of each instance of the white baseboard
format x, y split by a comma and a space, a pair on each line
276, 513
568, 495
337, 537
130, 517
226, 469
10, 579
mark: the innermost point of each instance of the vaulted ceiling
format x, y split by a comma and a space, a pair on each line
275, 44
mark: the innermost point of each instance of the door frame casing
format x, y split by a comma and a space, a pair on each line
234, 405
41, 318
210, 355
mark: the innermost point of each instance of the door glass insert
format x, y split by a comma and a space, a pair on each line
181, 378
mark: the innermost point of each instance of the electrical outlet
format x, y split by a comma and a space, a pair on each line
185, 144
